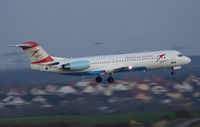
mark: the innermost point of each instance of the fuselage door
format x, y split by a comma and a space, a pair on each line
173, 60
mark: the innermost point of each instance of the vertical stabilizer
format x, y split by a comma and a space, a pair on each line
35, 53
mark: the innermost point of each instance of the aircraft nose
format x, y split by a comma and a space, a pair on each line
188, 60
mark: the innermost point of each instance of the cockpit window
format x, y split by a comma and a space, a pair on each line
180, 55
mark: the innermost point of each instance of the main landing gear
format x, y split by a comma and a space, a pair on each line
110, 79
98, 79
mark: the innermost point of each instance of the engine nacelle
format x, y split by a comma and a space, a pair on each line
76, 66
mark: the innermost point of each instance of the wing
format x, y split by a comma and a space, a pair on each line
117, 68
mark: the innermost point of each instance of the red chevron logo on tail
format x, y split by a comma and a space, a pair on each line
34, 52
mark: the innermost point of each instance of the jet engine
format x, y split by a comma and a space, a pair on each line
76, 66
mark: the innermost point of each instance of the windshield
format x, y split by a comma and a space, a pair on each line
180, 55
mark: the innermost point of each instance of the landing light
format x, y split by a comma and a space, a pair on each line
130, 67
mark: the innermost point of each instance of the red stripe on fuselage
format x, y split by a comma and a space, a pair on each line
47, 59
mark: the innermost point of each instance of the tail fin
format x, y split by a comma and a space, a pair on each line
35, 53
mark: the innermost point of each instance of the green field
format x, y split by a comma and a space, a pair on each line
93, 119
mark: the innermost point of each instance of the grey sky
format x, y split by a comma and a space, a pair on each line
72, 27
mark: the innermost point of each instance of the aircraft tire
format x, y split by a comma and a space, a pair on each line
98, 79
111, 80
173, 73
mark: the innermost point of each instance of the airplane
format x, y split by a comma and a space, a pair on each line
105, 64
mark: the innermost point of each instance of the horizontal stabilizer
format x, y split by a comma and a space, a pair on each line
19, 45
24, 45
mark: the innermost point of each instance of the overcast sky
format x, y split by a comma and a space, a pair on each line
72, 28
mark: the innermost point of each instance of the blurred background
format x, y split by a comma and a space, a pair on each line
87, 28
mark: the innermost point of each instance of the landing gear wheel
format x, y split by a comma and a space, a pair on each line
111, 80
173, 73
98, 79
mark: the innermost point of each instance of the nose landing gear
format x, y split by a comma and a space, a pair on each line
173, 70
173, 73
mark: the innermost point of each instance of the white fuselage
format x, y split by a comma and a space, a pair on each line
122, 62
